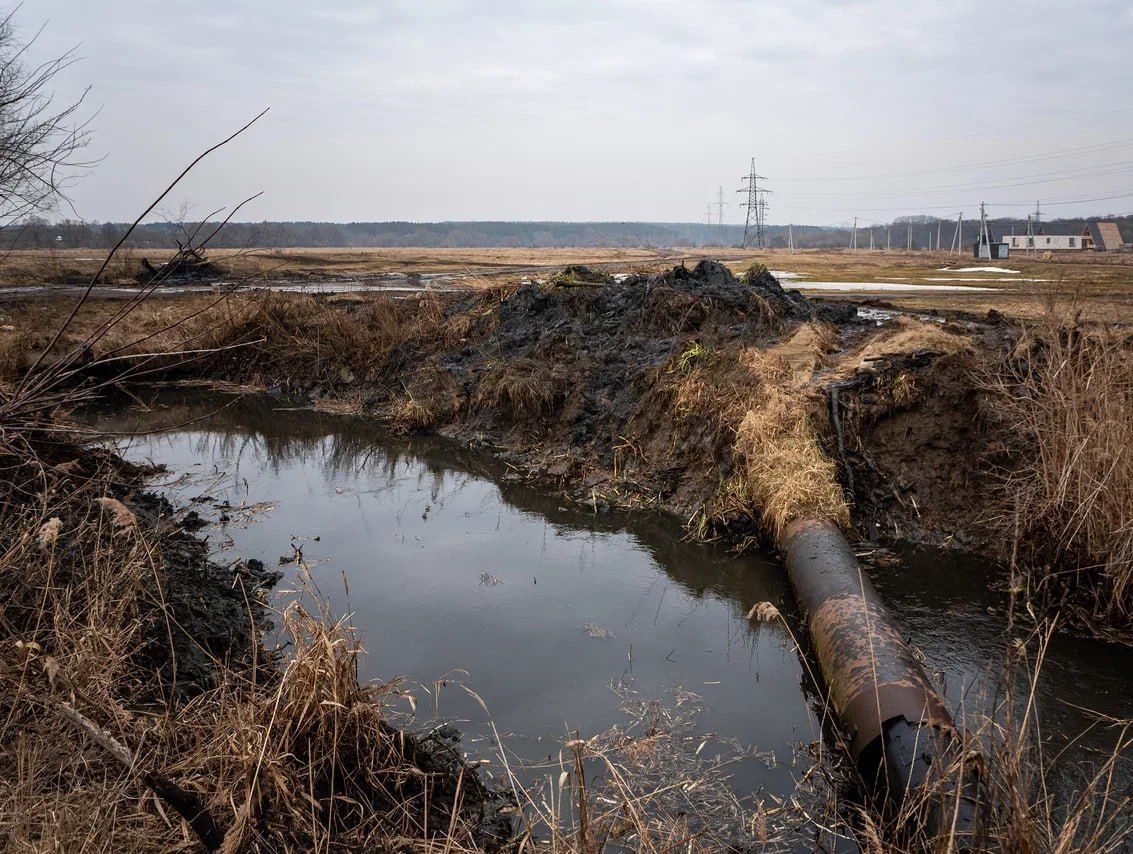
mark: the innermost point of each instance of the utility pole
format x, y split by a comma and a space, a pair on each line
854, 235
790, 238
958, 237
938, 222
756, 206
871, 238
909, 245
985, 235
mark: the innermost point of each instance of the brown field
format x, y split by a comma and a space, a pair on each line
1103, 283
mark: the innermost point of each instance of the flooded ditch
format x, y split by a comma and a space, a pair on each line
458, 574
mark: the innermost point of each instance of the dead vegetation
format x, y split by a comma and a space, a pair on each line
522, 390
783, 474
1065, 397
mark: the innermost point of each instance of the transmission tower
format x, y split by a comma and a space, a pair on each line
756, 206
720, 205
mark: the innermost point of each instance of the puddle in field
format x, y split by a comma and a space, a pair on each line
455, 572
394, 283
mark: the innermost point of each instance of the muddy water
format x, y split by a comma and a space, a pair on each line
456, 572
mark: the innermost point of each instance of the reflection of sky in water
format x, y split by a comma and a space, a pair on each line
424, 530
424, 534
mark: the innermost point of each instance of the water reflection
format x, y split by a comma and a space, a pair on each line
583, 599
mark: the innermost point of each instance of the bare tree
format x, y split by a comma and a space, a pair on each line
40, 141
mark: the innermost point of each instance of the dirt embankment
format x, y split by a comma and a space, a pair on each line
666, 391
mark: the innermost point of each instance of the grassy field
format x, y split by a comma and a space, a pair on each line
1103, 283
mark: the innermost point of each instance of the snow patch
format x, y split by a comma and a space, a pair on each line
976, 270
886, 286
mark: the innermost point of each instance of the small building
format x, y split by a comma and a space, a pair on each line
1055, 237
981, 249
986, 246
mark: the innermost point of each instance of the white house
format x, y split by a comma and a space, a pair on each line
1053, 237
1048, 239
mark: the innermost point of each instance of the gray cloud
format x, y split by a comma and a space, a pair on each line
620, 110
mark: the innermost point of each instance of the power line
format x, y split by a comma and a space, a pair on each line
1050, 155
977, 134
1116, 168
1059, 202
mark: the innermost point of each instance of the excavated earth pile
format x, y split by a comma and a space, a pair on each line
632, 394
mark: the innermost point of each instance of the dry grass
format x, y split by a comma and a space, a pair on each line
782, 472
280, 337
431, 396
1066, 397
908, 335
523, 389
649, 785
297, 757
747, 407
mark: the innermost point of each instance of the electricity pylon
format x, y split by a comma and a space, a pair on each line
756, 206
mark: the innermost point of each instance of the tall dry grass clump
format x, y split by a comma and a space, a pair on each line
430, 396
307, 760
523, 388
285, 337
782, 471
1065, 396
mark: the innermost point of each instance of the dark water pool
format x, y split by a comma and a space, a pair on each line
455, 572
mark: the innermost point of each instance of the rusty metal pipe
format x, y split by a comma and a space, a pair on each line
901, 734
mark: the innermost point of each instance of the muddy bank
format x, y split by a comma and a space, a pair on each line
134, 667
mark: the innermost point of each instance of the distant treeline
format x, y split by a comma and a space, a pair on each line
919, 232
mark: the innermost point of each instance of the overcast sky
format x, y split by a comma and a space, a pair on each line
620, 110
